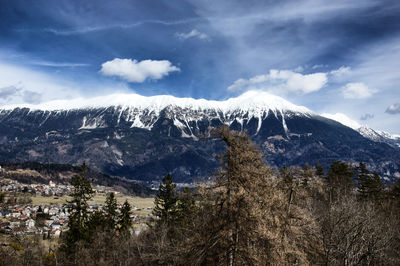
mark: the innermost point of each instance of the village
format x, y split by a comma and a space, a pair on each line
42, 209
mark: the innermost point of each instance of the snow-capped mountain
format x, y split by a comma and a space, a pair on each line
146, 137
379, 136
365, 131
143, 112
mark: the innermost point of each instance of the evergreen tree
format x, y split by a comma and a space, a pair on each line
125, 221
187, 208
286, 175
2, 197
165, 208
78, 212
97, 222
370, 185
319, 170
394, 195
340, 180
111, 211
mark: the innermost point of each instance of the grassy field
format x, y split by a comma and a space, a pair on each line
99, 199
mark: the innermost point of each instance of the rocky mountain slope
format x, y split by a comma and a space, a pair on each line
145, 137
380, 136
365, 131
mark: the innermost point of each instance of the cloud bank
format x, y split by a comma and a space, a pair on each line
282, 81
135, 71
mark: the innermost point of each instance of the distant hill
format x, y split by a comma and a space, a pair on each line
33, 172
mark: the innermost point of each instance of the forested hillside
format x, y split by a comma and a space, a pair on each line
248, 214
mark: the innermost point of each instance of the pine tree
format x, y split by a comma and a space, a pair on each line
394, 195
97, 222
319, 170
187, 208
2, 197
165, 208
111, 211
78, 212
125, 221
370, 185
340, 180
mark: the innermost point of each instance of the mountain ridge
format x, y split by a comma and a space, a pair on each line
249, 100
145, 144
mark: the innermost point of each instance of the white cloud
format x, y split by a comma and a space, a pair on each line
282, 81
393, 109
22, 85
134, 71
319, 66
299, 69
343, 70
57, 64
357, 90
31, 97
8, 92
192, 34
343, 119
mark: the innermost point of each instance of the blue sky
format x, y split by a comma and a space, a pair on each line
331, 56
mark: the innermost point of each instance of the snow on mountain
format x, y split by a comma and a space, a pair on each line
365, 131
343, 119
379, 136
143, 112
251, 100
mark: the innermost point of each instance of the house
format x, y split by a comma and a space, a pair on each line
30, 223
23, 217
56, 232
55, 226
14, 224
6, 213
53, 211
48, 223
51, 183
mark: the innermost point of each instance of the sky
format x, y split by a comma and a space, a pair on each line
330, 56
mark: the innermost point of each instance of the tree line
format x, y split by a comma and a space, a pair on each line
249, 214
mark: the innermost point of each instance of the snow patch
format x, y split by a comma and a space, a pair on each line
95, 123
343, 119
